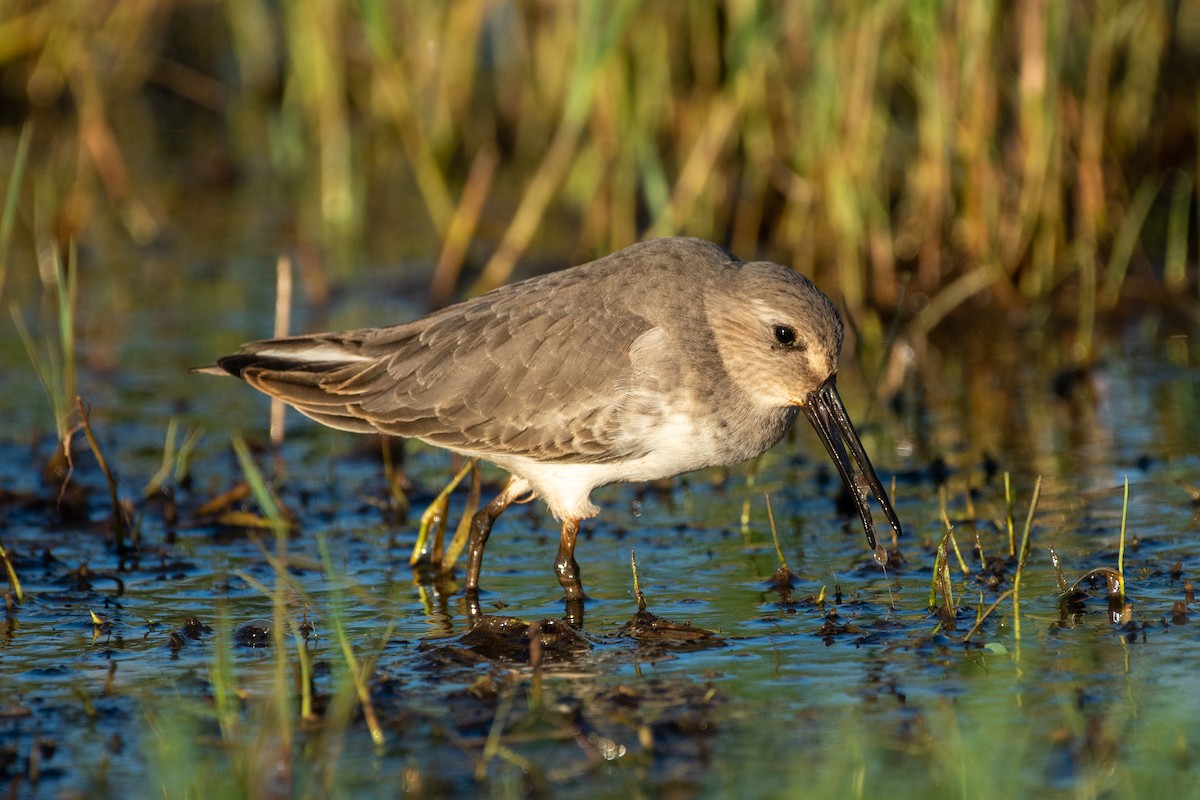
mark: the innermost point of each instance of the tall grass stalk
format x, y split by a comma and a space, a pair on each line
281, 692
463, 532
601, 25
398, 87
1121, 546
352, 689
751, 477
175, 458
222, 677
775, 535
283, 323
1008, 515
357, 675
159, 479
949, 530
12, 198
433, 519
10, 571
1127, 237
1175, 263
393, 474
122, 525
1024, 553
268, 503
317, 117
462, 225
54, 361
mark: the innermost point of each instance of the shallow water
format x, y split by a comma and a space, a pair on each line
863, 693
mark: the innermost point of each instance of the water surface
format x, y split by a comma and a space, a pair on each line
862, 692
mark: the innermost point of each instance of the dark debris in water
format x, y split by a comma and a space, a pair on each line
497, 638
508, 640
662, 727
253, 633
833, 627
652, 632
521, 687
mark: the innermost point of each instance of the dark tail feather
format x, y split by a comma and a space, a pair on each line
237, 363
305, 373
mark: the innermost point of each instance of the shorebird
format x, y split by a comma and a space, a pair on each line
665, 357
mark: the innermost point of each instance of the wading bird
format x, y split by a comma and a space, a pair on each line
662, 358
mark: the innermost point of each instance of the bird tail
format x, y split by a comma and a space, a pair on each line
315, 374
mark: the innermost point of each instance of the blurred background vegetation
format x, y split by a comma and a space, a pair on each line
912, 156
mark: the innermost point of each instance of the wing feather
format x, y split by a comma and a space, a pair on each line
542, 369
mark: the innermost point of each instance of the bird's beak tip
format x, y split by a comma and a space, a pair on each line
828, 416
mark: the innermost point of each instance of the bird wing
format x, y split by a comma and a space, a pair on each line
538, 370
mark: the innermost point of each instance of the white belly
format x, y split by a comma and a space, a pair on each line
673, 445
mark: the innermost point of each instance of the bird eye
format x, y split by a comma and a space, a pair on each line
785, 335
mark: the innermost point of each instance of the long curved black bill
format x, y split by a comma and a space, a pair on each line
827, 414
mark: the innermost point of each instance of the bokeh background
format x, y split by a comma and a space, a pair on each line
912, 156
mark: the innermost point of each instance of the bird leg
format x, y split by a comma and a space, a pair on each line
565, 566
481, 528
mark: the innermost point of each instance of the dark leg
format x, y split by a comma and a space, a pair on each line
574, 612
565, 566
481, 529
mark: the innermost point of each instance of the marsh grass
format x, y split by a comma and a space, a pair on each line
1023, 554
1071, 596
946, 604
430, 547
950, 750
957, 148
268, 712
397, 504
12, 198
1121, 546
123, 525
1138, 746
53, 359
176, 459
16, 593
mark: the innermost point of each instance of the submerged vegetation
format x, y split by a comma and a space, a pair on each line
251, 622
